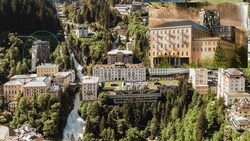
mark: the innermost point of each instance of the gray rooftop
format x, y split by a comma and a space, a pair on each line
39, 82
90, 79
62, 74
16, 82
233, 71
48, 65
183, 23
115, 51
20, 77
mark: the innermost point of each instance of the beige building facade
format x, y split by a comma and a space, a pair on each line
204, 48
12, 88
184, 42
90, 86
63, 79
36, 86
47, 69
199, 80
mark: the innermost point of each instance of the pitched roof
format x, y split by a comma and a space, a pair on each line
183, 23
48, 65
233, 71
90, 79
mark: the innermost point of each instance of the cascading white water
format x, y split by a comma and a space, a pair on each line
243, 7
75, 124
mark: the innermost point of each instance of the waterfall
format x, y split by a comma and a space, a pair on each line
75, 125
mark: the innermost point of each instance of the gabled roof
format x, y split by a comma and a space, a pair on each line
183, 23
48, 65
233, 71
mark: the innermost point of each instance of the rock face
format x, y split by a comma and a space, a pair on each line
230, 13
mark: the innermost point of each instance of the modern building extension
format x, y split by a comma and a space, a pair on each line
124, 56
139, 92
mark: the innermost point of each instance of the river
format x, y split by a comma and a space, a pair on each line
75, 124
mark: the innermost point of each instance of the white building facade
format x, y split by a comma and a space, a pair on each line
120, 72
231, 85
199, 79
90, 86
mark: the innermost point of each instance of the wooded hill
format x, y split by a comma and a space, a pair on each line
27, 16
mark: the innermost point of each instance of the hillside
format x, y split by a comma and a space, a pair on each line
235, 14
27, 16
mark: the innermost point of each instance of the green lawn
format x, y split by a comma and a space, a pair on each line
108, 85
151, 84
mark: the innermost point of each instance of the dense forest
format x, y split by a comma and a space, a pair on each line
180, 115
92, 11
11, 61
27, 16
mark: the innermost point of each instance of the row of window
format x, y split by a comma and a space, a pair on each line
200, 33
204, 43
12, 92
169, 31
171, 53
170, 46
204, 49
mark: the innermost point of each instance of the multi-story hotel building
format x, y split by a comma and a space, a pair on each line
120, 71
231, 85
90, 86
12, 88
184, 42
40, 53
199, 80
63, 79
242, 108
124, 56
240, 115
36, 86
47, 69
